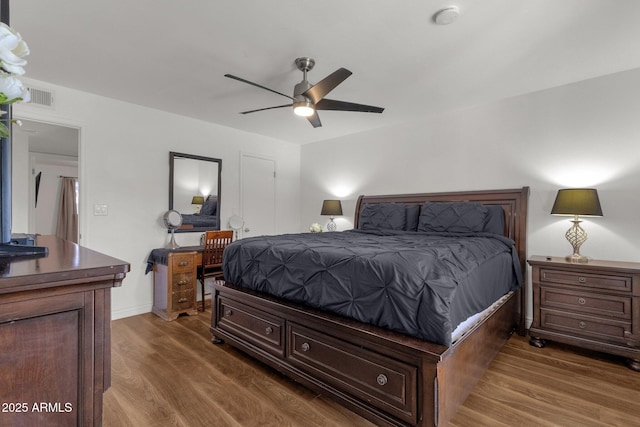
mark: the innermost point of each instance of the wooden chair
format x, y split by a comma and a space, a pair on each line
214, 244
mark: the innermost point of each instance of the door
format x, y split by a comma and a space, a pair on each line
258, 198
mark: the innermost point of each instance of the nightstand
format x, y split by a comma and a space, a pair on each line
174, 285
595, 305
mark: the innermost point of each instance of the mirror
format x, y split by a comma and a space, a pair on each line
194, 191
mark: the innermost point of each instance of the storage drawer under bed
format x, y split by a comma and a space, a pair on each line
383, 381
258, 328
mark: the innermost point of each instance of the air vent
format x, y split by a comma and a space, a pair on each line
41, 97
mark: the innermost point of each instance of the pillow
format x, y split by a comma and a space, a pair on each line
376, 216
210, 206
494, 222
413, 214
452, 217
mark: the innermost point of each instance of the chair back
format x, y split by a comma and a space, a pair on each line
214, 244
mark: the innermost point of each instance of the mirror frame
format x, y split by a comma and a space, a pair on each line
172, 156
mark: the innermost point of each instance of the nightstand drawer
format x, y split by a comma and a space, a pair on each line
591, 327
601, 281
585, 302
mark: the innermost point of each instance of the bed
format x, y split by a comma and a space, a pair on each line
206, 219
366, 347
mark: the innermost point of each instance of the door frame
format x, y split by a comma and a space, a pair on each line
43, 117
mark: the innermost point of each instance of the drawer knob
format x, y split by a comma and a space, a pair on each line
228, 313
582, 325
582, 279
269, 330
183, 300
305, 346
183, 263
582, 301
382, 379
182, 282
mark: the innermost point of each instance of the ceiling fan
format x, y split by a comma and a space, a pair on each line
307, 99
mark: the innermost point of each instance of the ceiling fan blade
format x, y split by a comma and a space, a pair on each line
332, 104
314, 119
257, 85
326, 85
268, 108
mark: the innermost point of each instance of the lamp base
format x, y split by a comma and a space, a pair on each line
577, 258
332, 226
576, 237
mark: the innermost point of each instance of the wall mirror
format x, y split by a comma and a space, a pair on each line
194, 191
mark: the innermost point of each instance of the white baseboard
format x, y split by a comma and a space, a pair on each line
130, 311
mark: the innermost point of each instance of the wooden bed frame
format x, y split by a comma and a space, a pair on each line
387, 377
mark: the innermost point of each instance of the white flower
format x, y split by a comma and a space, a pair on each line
12, 90
12, 51
315, 228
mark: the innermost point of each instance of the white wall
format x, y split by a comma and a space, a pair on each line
584, 134
124, 163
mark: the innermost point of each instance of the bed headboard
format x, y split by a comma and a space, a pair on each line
513, 202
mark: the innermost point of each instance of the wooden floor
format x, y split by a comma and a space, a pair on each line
169, 374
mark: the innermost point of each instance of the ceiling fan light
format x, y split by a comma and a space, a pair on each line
303, 108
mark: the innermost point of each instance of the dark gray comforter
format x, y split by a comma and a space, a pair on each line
421, 284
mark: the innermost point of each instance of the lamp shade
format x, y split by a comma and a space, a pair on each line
197, 200
331, 207
577, 201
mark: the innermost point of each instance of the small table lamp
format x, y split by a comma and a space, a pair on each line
331, 208
198, 201
576, 202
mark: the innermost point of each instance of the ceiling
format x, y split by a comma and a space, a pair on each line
172, 55
46, 138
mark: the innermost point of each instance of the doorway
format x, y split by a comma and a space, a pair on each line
42, 155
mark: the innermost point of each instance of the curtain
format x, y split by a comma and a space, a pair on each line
67, 227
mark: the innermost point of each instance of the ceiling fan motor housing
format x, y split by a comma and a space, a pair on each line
302, 105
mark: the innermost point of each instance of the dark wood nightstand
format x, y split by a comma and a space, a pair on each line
595, 305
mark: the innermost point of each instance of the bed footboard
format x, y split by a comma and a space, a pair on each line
389, 378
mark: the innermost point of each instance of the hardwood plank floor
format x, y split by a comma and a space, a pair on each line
169, 374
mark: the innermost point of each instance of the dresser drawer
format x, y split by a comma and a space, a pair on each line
260, 329
600, 329
183, 299
384, 382
601, 281
182, 262
586, 302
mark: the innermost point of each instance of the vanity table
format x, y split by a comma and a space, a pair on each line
55, 334
175, 280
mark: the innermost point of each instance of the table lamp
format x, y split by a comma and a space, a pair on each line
576, 202
331, 208
198, 201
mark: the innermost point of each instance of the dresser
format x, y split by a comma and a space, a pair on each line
55, 335
174, 285
595, 305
